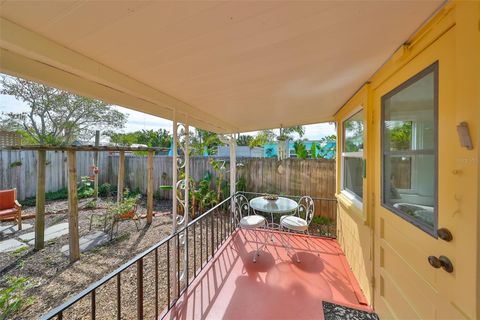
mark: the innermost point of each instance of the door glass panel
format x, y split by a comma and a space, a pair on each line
409, 150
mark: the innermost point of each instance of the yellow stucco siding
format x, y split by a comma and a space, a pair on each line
354, 225
381, 245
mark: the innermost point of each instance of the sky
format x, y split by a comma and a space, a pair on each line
138, 120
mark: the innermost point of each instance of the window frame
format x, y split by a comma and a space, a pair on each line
356, 199
433, 68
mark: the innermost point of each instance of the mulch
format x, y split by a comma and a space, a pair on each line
54, 279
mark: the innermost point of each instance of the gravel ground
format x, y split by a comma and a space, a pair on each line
53, 278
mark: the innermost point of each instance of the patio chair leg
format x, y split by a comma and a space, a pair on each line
287, 246
256, 252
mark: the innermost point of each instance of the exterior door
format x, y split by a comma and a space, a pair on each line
416, 191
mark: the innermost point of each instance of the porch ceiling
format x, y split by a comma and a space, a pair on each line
231, 66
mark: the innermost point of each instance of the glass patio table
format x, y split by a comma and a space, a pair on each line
279, 206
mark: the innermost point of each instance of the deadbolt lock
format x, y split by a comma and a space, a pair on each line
441, 262
445, 234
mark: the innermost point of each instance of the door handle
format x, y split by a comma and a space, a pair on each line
441, 262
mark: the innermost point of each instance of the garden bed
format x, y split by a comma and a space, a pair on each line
50, 275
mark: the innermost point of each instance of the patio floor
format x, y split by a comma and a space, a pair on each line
275, 287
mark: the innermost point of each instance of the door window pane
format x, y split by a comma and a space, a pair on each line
409, 150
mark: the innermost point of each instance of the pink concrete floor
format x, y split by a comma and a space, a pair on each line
232, 286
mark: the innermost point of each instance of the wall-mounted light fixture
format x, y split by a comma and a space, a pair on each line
464, 135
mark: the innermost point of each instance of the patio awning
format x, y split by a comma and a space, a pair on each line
229, 66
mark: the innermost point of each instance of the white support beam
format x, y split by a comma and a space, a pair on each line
50, 63
233, 165
174, 174
187, 172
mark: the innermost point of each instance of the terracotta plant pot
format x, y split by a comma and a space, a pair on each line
127, 215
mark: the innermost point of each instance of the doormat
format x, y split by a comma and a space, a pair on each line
332, 311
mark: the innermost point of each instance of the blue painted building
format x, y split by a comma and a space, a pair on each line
327, 151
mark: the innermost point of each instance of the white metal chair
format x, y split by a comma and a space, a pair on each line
300, 219
245, 220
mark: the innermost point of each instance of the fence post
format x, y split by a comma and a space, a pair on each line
95, 163
40, 201
150, 187
121, 175
74, 245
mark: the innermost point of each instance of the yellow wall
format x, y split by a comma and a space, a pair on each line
354, 223
454, 36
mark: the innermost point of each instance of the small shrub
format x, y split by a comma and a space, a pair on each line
28, 202
92, 204
106, 190
241, 184
131, 194
85, 189
61, 194
12, 297
322, 220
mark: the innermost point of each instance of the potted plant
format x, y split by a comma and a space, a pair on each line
125, 209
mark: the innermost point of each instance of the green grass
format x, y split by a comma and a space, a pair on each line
19, 251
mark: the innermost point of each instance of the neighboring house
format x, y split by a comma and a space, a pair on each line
327, 151
241, 151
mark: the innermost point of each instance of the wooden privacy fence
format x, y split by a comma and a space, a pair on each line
295, 177
18, 169
313, 177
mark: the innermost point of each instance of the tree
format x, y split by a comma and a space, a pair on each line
244, 140
57, 117
122, 139
327, 147
202, 140
300, 149
160, 138
262, 138
286, 132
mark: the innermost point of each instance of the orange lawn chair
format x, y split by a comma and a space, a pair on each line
9, 206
